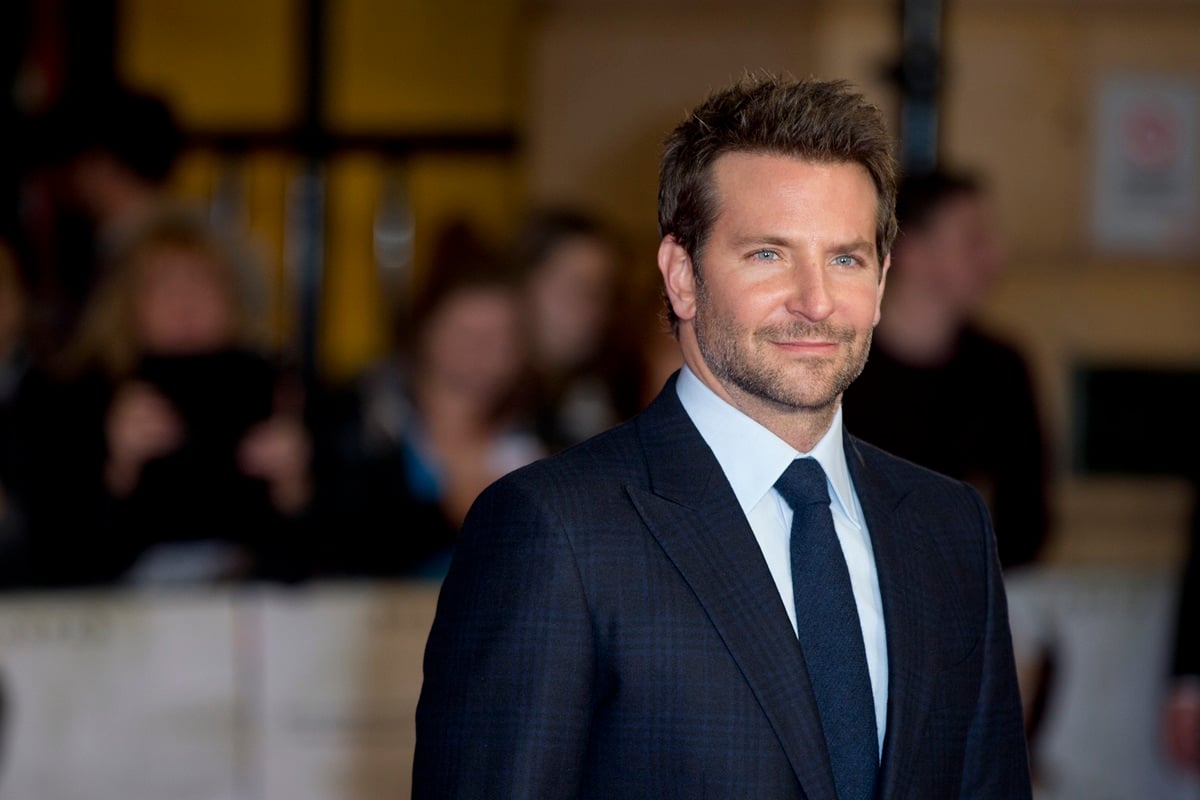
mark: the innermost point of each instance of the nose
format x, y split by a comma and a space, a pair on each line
809, 294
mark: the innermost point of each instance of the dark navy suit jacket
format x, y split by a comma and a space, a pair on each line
609, 629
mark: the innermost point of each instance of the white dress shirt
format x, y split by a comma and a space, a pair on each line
752, 459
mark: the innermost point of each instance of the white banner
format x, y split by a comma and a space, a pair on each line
341, 677
119, 697
267, 694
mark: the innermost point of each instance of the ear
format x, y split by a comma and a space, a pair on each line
883, 273
679, 277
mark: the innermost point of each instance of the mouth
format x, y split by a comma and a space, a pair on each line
802, 346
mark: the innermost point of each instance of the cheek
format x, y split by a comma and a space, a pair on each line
155, 311
149, 324
493, 349
744, 302
211, 308
498, 347
859, 298
455, 348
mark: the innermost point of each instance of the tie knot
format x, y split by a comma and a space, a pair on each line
803, 483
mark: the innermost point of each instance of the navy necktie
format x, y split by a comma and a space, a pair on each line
829, 631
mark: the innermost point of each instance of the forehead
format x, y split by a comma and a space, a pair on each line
578, 254
769, 186
175, 259
474, 302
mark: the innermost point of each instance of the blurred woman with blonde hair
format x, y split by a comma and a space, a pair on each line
175, 287
182, 454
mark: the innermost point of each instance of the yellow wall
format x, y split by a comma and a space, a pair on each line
222, 63
416, 65
394, 68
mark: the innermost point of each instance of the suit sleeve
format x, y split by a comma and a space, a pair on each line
996, 764
506, 700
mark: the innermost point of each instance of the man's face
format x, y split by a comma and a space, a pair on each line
789, 282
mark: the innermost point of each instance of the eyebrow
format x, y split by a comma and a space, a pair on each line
852, 246
856, 245
771, 239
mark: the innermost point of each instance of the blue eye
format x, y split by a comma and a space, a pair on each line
845, 261
765, 255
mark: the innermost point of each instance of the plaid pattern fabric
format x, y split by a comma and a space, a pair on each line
609, 629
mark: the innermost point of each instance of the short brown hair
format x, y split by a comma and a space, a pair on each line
820, 121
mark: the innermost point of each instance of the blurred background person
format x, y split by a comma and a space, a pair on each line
1182, 718
938, 389
104, 159
118, 149
571, 272
14, 365
435, 424
167, 447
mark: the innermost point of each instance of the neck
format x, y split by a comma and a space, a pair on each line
917, 326
801, 428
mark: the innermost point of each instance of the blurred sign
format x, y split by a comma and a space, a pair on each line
1146, 196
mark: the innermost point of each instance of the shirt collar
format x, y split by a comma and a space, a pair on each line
753, 457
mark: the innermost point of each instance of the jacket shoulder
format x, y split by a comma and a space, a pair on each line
949, 513
610, 459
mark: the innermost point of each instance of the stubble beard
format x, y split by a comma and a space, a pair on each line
754, 373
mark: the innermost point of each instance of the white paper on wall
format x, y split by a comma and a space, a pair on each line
1146, 187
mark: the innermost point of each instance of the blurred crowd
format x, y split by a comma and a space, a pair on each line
152, 435
152, 431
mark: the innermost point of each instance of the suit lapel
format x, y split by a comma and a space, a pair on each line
695, 517
899, 562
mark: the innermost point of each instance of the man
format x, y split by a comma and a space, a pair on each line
965, 397
672, 609
105, 159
